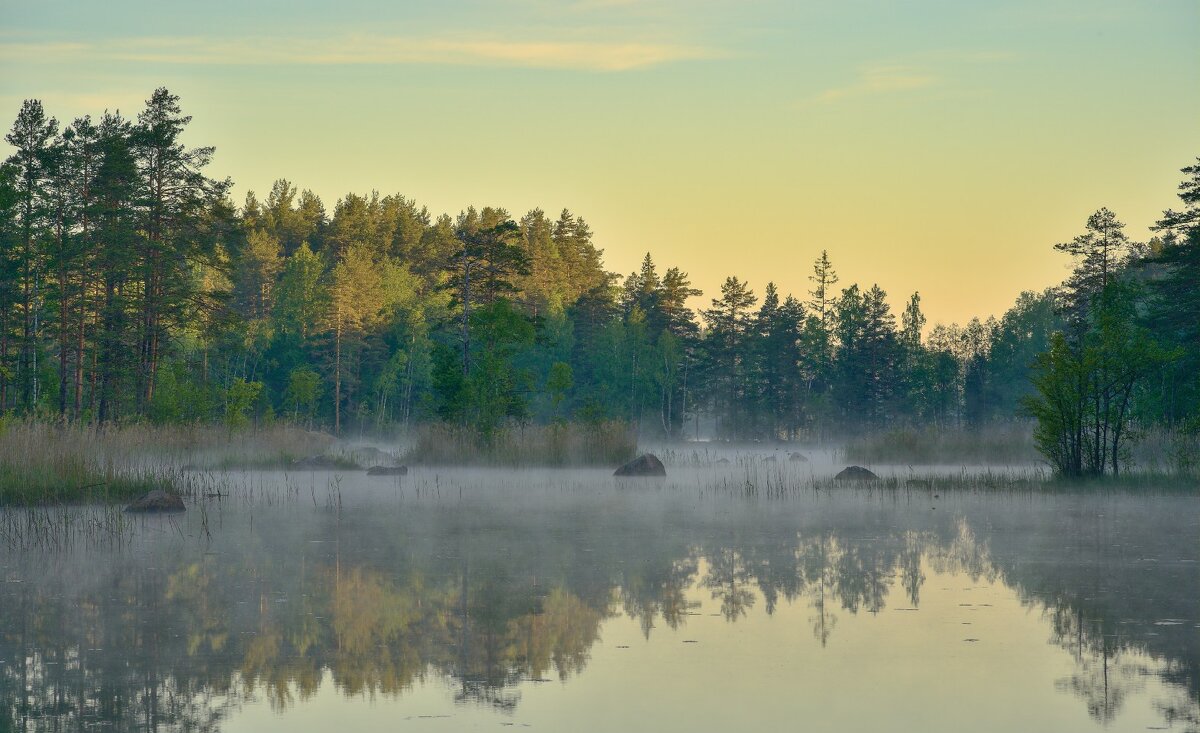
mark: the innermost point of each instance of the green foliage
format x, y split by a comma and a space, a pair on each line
240, 396
303, 392
495, 390
1084, 389
179, 398
558, 383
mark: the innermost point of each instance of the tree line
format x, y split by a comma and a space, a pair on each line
132, 287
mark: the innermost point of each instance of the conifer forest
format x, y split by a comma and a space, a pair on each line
134, 289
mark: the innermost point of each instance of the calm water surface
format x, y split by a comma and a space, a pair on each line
565, 601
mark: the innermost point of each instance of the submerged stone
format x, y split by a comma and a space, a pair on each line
646, 464
387, 471
856, 473
157, 502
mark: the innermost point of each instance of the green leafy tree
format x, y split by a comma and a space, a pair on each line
303, 393
301, 296
357, 298
240, 396
559, 382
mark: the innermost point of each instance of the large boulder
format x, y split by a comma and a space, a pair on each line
646, 464
856, 473
387, 471
157, 502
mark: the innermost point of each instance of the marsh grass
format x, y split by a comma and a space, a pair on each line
280, 446
44, 463
776, 483
61, 527
996, 444
572, 444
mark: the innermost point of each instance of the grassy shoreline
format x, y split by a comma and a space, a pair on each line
44, 463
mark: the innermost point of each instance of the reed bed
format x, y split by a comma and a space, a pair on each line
779, 483
41, 463
51, 463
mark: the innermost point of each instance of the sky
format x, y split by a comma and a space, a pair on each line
939, 146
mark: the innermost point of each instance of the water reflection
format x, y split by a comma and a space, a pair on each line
166, 635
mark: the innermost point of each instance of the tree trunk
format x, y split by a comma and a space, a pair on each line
466, 318
337, 380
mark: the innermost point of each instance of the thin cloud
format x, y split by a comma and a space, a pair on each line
382, 50
881, 80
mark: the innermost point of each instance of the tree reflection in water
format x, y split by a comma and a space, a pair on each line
170, 638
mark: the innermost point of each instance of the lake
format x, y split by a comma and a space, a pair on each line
464, 599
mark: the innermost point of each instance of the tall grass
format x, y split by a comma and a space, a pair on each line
49, 463
41, 463
996, 444
572, 444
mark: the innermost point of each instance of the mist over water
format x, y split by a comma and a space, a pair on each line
454, 599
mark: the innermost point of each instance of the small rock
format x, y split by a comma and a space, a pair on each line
856, 473
798, 458
387, 471
646, 464
769, 459
722, 461
157, 502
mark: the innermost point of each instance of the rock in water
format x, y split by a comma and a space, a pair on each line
646, 464
798, 458
157, 502
387, 471
856, 473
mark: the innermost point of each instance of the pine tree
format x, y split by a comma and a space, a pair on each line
824, 279
728, 353
1100, 252
176, 202
116, 236
32, 135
